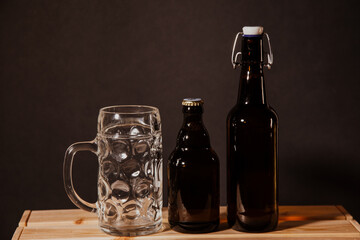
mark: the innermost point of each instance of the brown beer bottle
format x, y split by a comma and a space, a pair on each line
193, 175
252, 136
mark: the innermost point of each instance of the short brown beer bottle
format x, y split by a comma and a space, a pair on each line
193, 175
252, 136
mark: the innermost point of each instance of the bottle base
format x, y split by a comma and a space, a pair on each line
194, 227
254, 228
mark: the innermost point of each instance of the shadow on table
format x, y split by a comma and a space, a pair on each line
282, 225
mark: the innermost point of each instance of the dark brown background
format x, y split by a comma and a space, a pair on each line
60, 61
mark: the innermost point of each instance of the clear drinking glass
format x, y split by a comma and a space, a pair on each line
129, 149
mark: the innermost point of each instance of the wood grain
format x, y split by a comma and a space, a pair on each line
343, 211
323, 229
310, 212
295, 222
17, 233
24, 218
355, 224
62, 218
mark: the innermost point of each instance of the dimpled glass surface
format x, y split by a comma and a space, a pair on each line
130, 179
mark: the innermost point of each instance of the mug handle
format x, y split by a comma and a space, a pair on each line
67, 173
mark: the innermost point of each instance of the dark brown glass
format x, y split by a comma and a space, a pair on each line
252, 135
193, 177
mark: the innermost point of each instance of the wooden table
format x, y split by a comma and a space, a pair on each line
295, 222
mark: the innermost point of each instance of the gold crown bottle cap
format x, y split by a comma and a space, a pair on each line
192, 102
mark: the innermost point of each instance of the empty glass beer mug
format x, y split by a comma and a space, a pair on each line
129, 150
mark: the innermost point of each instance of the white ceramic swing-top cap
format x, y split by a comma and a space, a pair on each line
253, 30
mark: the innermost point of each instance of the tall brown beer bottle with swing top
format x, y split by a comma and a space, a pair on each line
252, 136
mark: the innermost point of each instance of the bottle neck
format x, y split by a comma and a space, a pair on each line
252, 87
192, 117
193, 133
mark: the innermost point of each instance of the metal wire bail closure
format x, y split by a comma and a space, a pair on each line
234, 56
234, 61
270, 56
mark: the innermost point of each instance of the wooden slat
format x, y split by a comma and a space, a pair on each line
303, 213
295, 222
80, 217
355, 224
343, 211
17, 233
329, 228
24, 218
62, 217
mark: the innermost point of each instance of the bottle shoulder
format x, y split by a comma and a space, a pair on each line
193, 138
262, 116
195, 155
273, 113
263, 111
